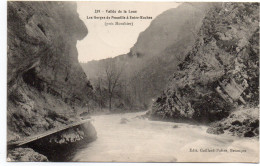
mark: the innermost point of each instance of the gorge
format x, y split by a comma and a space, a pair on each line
187, 90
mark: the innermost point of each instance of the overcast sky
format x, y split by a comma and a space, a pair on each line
109, 41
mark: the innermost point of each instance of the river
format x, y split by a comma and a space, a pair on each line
142, 140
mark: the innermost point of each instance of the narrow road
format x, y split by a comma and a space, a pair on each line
47, 133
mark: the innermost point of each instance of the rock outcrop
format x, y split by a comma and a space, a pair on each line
220, 72
243, 122
25, 155
46, 84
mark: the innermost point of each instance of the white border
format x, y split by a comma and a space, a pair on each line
3, 100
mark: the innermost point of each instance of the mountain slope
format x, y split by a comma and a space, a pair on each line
157, 52
220, 72
169, 28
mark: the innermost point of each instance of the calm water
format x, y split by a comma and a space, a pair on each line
142, 140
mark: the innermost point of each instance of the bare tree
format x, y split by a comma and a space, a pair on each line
100, 92
112, 78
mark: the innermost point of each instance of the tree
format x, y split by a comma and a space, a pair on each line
112, 78
100, 94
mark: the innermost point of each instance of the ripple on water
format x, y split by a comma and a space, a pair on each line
141, 140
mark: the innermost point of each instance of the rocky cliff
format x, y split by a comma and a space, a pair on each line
46, 84
221, 72
169, 28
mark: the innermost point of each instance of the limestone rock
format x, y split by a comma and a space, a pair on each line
46, 84
220, 72
215, 130
25, 155
124, 121
244, 122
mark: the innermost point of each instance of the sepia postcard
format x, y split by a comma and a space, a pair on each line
159, 82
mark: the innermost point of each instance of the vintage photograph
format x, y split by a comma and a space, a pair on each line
132, 81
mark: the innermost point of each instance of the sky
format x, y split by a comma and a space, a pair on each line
113, 40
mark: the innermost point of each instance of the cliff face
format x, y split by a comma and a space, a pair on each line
46, 84
220, 72
164, 45
169, 28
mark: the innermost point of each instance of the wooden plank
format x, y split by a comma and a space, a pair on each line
47, 133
